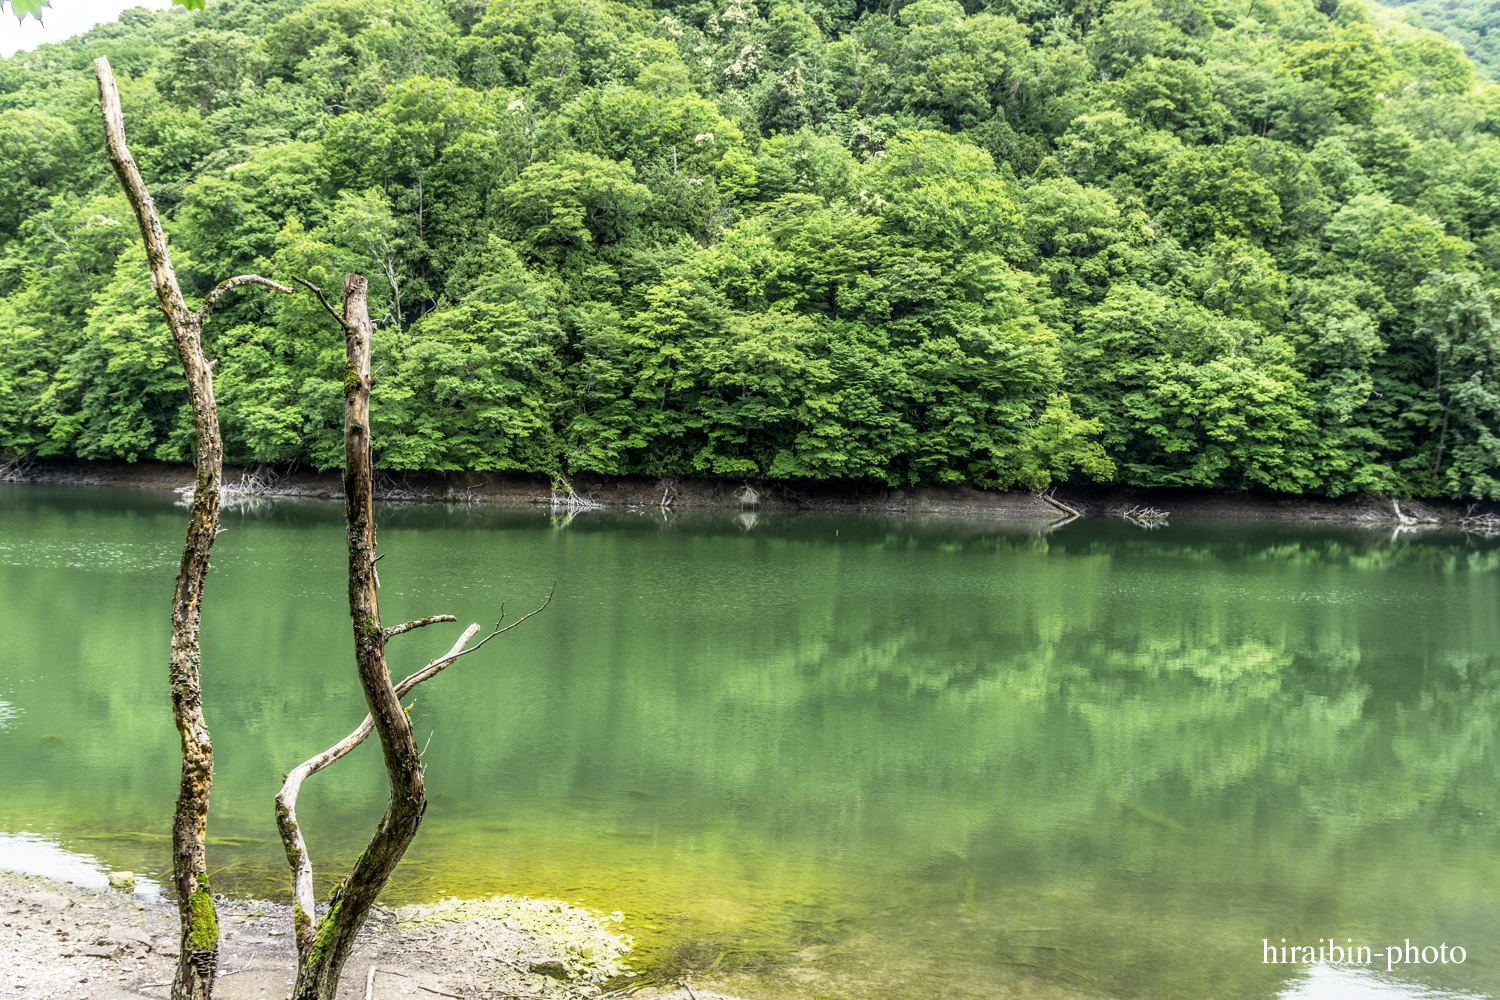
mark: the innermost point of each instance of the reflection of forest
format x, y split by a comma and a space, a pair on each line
1343, 680
1215, 731
1218, 736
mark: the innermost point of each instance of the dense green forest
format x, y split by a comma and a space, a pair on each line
1473, 24
1218, 243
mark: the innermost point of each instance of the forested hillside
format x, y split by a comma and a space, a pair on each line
1219, 243
1473, 24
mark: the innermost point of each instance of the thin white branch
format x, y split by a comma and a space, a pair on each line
418, 623
286, 799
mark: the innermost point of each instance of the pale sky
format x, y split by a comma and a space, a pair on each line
64, 19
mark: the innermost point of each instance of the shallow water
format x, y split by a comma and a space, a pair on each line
817, 756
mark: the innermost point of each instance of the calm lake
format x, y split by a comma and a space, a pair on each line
814, 756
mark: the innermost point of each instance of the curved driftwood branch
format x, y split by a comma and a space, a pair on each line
286, 801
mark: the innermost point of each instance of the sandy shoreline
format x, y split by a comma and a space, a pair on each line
59, 941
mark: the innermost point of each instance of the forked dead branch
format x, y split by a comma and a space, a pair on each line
286, 800
199, 951
323, 945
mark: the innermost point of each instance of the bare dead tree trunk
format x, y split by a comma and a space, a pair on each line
333, 936
198, 955
323, 946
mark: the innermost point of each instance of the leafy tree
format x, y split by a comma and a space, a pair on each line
346, 52
230, 221
492, 364
1173, 95
38, 155
1132, 31
1187, 399
1471, 25
1353, 64
554, 48
208, 70
575, 199
1214, 191
1456, 318
955, 67
1082, 239
938, 193
1110, 147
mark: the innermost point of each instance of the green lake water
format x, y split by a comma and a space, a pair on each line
813, 756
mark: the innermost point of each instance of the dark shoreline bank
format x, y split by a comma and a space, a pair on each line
828, 497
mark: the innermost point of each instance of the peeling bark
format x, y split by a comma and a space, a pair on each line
199, 953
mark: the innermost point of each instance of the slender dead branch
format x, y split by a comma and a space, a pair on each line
319, 293
199, 946
230, 284
1047, 497
286, 799
419, 623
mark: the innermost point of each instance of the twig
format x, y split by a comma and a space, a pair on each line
684, 984
440, 993
319, 293
370, 984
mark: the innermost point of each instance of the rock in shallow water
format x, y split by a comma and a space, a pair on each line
124, 881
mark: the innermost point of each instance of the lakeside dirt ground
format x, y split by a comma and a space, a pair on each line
59, 941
